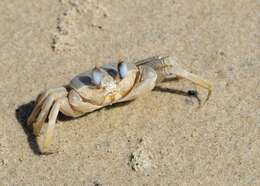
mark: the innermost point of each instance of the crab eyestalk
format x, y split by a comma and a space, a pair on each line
96, 76
122, 69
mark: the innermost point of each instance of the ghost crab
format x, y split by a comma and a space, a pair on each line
102, 86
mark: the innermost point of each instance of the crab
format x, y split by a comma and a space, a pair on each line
100, 87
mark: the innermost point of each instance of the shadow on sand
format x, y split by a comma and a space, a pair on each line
23, 111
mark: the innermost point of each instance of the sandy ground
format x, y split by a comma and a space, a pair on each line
159, 139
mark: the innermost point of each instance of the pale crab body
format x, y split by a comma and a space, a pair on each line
99, 87
113, 88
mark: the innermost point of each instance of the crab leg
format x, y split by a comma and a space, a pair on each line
46, 106
43, 115
49, 128
167, 68
45, 94
34, 113
175, 70
148, 60
40, 99
196, 80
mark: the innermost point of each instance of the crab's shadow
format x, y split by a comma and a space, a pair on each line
23, 111
189, 93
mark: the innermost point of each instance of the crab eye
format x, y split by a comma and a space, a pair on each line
122, 69
96, 76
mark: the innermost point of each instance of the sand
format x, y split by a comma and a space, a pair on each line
159, 139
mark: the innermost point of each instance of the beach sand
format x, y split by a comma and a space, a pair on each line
161, 138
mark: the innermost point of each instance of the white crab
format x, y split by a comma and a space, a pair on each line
99, 87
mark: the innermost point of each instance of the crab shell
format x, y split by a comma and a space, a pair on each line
86, 96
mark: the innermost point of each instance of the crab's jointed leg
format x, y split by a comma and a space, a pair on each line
43, 115
48, 132
167, 68
38, 120
196, 80
39, 102
47, 106
177, 71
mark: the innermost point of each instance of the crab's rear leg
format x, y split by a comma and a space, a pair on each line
44, 139
44, 131
42, 108
42, 115
40, 101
